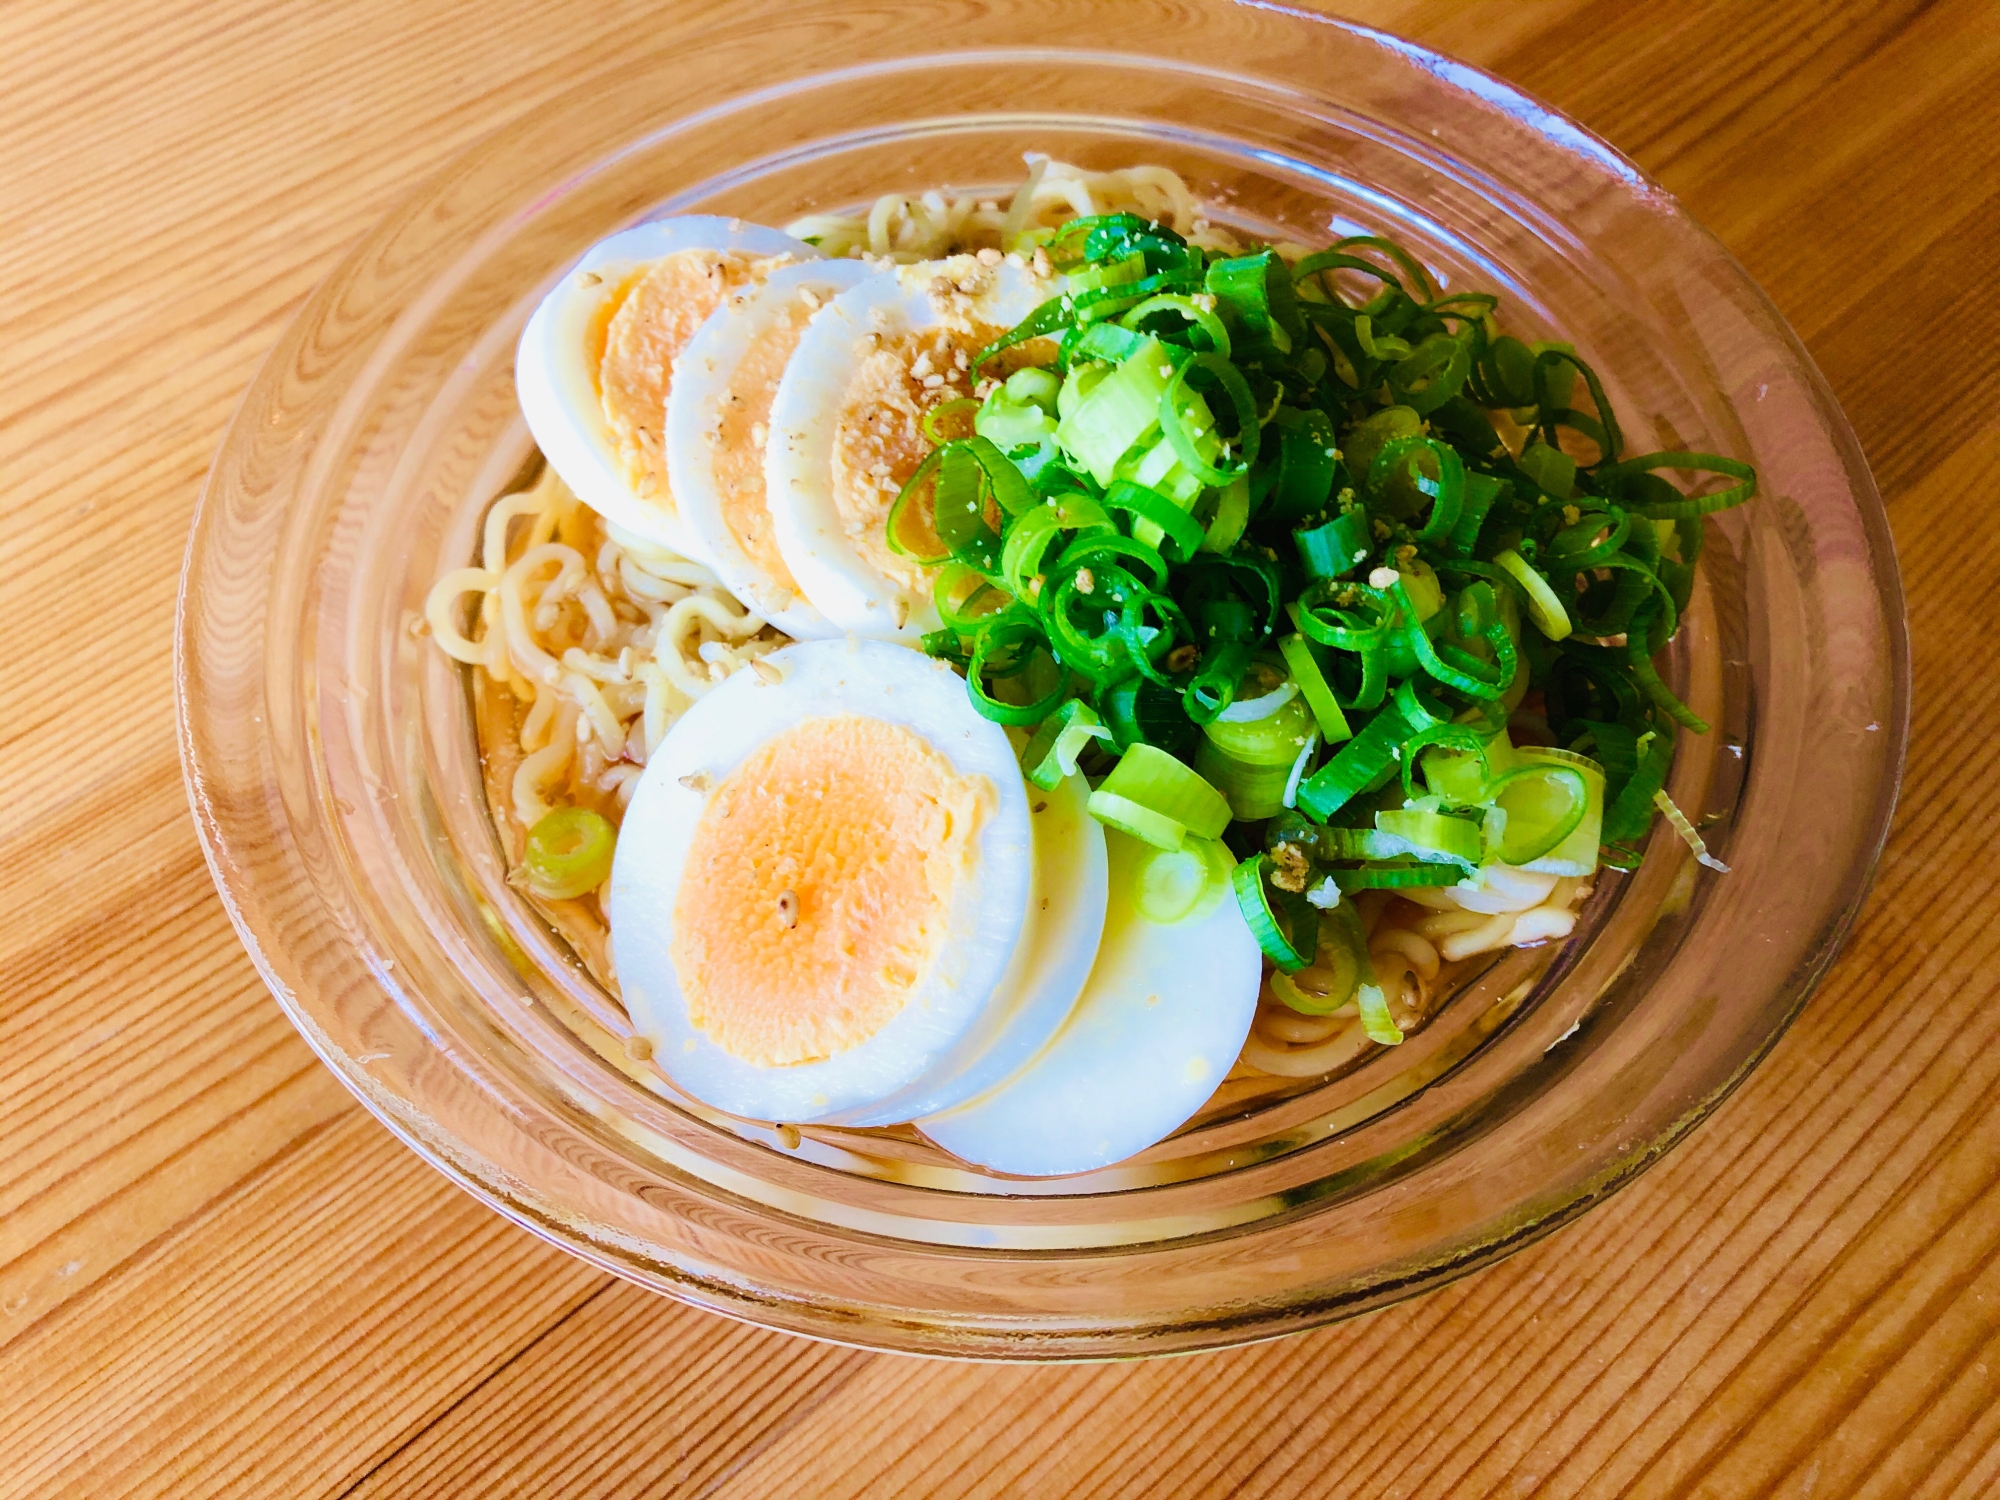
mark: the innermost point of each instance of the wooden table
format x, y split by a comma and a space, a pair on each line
218, 1276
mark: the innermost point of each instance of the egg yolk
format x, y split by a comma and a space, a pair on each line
819, 885
878, 439
742, 426
651, 317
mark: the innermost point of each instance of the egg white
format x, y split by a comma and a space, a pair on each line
1052, 961
811, 534
701, 378
820, 678
1158, 1026
557, 387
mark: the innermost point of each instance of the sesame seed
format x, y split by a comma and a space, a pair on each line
788, 909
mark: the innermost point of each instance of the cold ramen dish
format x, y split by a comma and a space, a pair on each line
1025, 667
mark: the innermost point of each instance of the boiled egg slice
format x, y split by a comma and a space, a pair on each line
846, 430
821, 882
595, 363
1158, 1026
1066, 906
718, 427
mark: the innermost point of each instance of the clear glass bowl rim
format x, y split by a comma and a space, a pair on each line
207, 724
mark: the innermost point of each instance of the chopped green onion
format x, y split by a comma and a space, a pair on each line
569, 853
1433, 835
1257, 291
1211, 326
1141, 711
964, 598
1394, 875
1308, 463
1116, 536
1396, 482
1168, 519
1687, 508
1177, 885
1340, 967
1298, 654
1189, 426
1050, 754
1375, 1018
1552, 469
1334, 548
1262, 707
899, 508
1232, 514
1544, 608
1251, 761
1686, 830
1576, 854
1142, 822
1359, 764
1543, 804
1014, 641
932, 421
1152, 779
1289, 950
1123, 407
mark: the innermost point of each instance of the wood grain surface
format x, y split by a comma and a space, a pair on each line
219, 1277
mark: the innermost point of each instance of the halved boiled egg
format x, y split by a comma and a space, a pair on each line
822, 889
1159, 1024
847, 430
595, 363
718, 428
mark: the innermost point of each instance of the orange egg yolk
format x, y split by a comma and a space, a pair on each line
818, 887
647, 321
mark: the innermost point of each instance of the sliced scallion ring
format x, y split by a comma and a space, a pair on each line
569, 853
1375, 1018
1292, 950
1050, 754
1544, 608
1544, 802
1178, 885
1151, 778
1250, 710
1142, 822
1305, 670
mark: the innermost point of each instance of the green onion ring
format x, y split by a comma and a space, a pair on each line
1248, 430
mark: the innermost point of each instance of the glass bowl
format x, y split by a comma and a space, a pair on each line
330, 758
